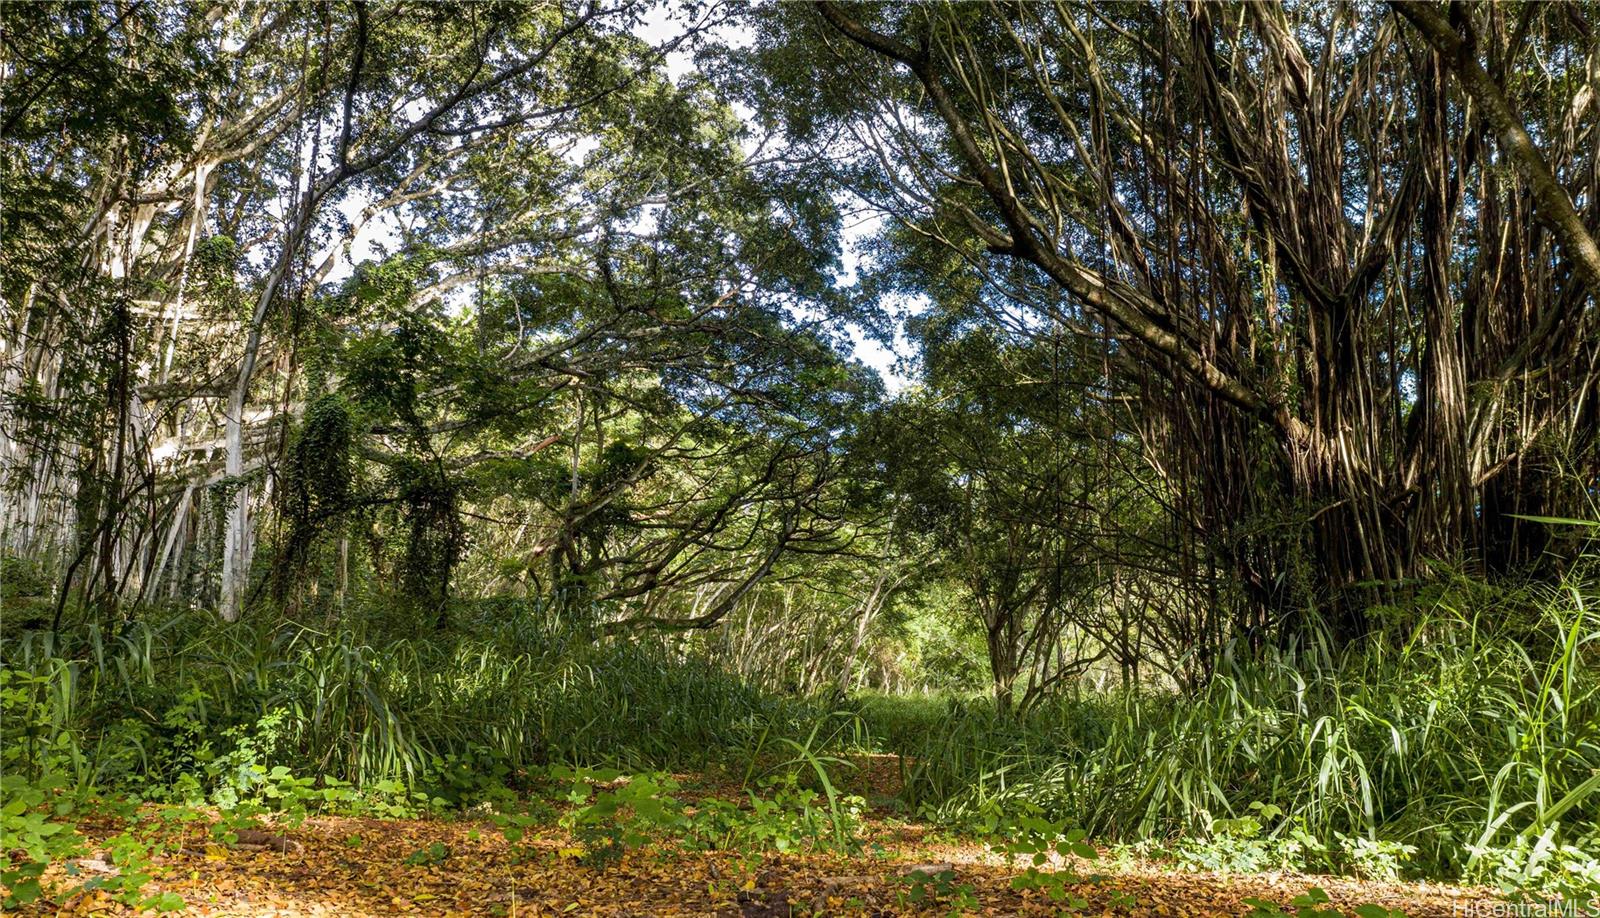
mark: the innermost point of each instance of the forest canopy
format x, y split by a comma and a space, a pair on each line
1242, 353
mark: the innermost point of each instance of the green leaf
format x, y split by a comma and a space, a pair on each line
164, 902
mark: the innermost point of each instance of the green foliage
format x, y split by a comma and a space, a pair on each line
1457, 741
1262, 839
315, 486
923, 888
1315, 903
1307, 905
576, 481
430, 856
1376, 859
1036, 842
1442, 750
31, 837
608, 822
939, 645
1542, 867
613, 813
790, 818
36, 833
25, 590
39, 740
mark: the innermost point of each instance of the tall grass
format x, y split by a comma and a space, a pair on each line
1468, 730
165, 694
1473, 725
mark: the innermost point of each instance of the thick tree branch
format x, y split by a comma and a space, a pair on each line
1553, 205
1117, 301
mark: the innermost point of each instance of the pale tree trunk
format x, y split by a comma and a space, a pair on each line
882, 589
237, 542
197, 219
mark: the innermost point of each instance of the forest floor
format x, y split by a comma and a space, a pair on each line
338, 866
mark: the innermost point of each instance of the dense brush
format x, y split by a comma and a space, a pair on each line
1472, 728
1451, 737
